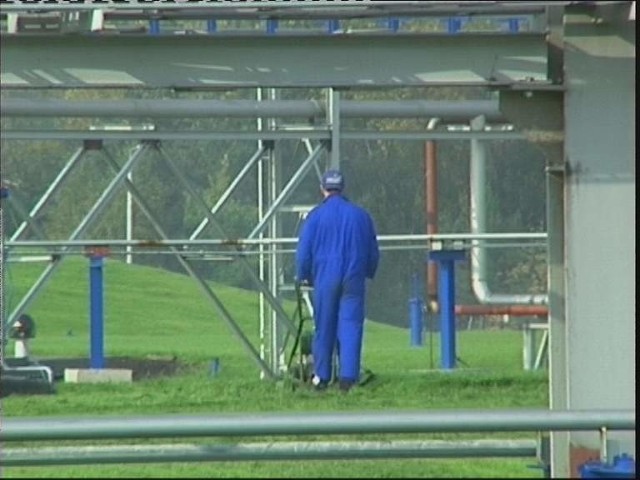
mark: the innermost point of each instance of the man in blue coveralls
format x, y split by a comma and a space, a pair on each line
337, 251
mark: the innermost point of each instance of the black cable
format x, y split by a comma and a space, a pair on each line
296, 341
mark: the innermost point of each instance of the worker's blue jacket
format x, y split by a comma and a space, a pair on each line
337, 251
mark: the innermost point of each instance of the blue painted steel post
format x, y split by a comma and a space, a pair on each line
154, 26
272, 26
415, 314
453, 25
393, 24
446, 299
514, 25
212, 26
333, 26
96, 312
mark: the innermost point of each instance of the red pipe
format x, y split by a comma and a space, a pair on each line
431, 207
513, 310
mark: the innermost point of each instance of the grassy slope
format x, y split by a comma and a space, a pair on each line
153, 312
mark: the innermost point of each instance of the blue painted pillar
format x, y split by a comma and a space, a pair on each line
453, 25
272, 26
333, 26
212, 26
154, 26
446, 298
96, 312
416, 322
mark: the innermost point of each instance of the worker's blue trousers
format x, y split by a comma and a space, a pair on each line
339, 317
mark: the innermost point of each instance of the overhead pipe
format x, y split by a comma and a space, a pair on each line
446, 110
478, 220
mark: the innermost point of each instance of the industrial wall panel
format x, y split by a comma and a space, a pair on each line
600, 222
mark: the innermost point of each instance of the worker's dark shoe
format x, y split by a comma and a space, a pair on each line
318, 385
345, 385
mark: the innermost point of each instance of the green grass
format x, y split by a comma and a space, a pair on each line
153, 312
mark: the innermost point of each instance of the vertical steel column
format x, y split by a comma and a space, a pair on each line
558, 375
129, 221
273, 231
3, 307
96, 311
446, 298
264, 334
333, 120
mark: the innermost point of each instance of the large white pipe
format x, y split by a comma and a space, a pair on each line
478, 220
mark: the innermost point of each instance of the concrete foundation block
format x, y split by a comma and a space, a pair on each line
103, 375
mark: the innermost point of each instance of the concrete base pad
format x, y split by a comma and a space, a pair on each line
103, 375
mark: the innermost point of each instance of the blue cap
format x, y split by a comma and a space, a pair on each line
332, 180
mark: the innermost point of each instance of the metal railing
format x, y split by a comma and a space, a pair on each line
298, 424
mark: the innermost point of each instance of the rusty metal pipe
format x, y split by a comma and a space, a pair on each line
513, 310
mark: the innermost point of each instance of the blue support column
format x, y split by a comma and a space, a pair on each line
514, 25
453, 25
96, 312
333, 26
154, 26
446, 298
272, 26
416, 322
212, 26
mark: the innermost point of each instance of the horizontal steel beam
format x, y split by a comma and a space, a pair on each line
445, 111
312, 423
284, 60
288, 134
110, 454
237, 242
378, 7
